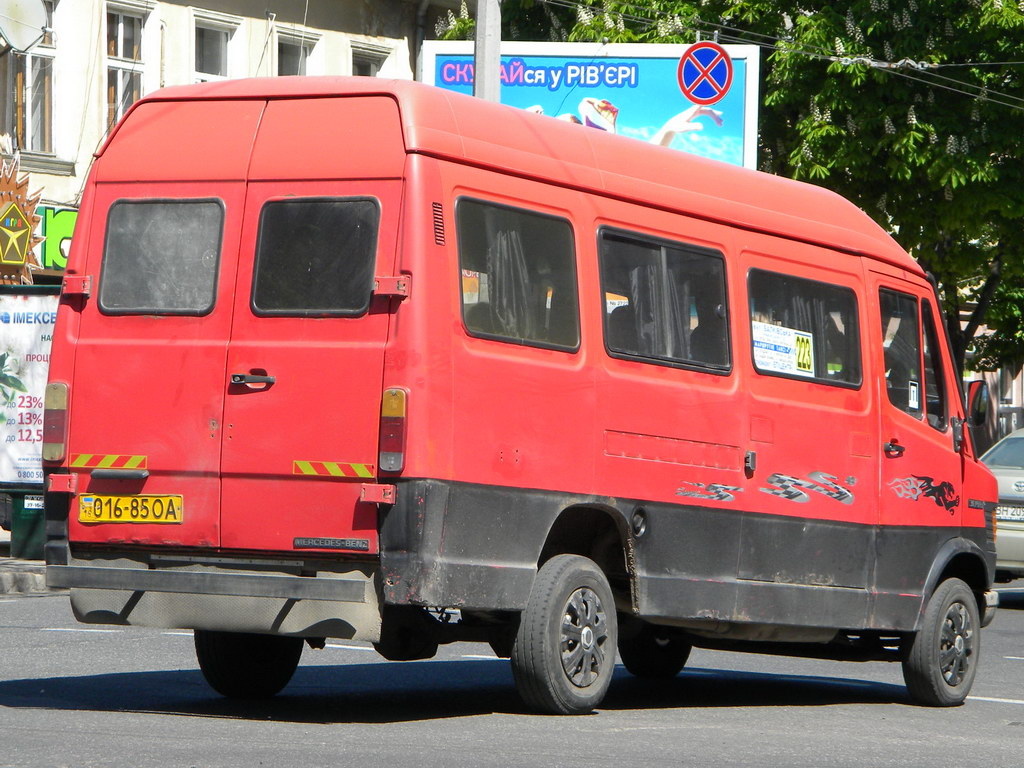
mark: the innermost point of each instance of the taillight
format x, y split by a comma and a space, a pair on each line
55, 421
392, 430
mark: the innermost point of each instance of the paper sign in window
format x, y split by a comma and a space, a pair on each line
783, 350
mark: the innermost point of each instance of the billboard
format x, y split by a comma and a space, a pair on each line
700, 99
26, 330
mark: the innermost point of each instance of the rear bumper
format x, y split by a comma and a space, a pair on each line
207, 583
339, 600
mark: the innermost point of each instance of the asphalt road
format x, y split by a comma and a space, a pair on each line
72, 695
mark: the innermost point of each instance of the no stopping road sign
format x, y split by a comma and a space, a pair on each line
705, 73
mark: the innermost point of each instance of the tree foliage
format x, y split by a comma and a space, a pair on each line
520, 20
913, 109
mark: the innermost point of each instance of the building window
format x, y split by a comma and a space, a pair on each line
368, 58
124, 63
27, 82
298, 52
211, 54
215, 51
28, 108
364, 67
291, 58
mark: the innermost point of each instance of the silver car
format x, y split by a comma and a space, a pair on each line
1006, 460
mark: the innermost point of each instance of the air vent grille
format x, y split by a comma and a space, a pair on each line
438, 223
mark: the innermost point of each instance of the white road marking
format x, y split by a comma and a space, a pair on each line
1014, 658
177, 634
348, 647
76, 629
480, 657
996, 700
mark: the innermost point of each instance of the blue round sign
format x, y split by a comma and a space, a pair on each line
705, 73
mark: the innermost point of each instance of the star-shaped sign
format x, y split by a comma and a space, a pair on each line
14, 236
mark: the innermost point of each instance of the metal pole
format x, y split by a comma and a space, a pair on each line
487, 51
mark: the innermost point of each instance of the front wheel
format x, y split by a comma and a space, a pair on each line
942, 660
563, 655
247, 666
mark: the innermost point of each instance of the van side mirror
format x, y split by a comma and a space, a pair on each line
978, 403
980, 409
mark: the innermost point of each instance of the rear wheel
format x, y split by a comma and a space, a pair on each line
563, 656
247, 666
653, 651
942, 660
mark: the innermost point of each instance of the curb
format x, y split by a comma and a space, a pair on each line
19, 576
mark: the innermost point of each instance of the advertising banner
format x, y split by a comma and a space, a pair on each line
26, 330
700, 99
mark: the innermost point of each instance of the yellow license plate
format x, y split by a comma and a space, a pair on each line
130, 509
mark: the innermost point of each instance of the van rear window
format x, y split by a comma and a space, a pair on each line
316, 256
161, 257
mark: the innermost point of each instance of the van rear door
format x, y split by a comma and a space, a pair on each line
147, 394
306, 354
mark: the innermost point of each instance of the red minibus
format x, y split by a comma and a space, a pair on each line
364, 359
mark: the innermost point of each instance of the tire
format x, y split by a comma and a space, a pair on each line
654, 652
246, 666
940, 665
563, 656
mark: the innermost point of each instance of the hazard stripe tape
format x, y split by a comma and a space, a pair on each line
108, 461
332, 469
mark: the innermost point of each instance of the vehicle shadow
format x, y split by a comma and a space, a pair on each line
413, 691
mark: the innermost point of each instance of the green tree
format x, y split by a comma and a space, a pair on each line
520, 20
913, 109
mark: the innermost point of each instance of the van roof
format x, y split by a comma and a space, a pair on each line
453, 126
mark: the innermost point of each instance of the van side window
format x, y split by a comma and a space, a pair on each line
804, 329
664, 301
518, 275
161, 257
902, 346
316, 256
934, 381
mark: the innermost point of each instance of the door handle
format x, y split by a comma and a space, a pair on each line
893, 449
250, 378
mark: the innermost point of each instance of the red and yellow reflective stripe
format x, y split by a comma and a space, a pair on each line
332, 469
108, 461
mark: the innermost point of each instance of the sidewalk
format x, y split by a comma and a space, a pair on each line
25, 576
